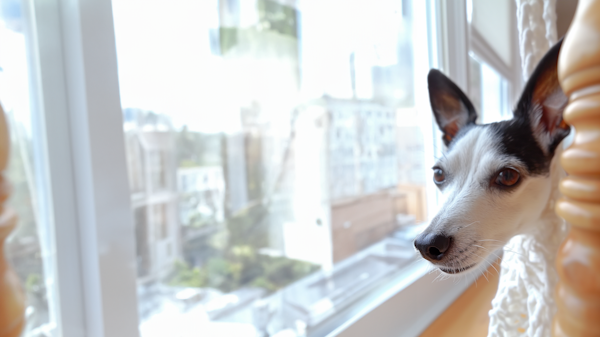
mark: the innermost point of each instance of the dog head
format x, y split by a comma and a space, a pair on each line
494, 178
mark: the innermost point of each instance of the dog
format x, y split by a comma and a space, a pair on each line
495, 178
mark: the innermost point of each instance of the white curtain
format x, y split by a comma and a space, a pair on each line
536, 20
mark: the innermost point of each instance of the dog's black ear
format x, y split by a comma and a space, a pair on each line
543, 102
451, 107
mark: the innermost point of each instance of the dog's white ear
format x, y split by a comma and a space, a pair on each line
543, 102
451, 107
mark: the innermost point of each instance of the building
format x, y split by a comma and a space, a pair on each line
201, 209
205, 184
151, 165
346, 193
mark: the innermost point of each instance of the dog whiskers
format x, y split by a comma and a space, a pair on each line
490, 240
472, 223
509, 251
501, 246
495, 254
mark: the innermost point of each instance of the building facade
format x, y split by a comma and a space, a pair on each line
150, 150
346, 195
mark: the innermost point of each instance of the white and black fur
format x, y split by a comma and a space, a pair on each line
479, 215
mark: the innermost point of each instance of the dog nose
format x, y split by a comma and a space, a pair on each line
433, 246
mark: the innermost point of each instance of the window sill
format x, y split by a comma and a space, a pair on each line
407, 308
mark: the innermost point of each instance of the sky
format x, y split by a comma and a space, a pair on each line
14, 86
166, 66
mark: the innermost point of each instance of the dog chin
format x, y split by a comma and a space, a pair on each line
455, 271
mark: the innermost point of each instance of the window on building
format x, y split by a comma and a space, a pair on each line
142, 241
160, 215
157, 168
136, 158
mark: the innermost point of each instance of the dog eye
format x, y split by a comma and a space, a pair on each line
438, 175
507, 177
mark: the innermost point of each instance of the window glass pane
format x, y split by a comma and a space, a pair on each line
275, 159
27, 247
488, 92
491, 18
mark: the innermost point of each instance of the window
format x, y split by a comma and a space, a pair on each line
161, 220
142, 241
489, 92
494, 78
492, 21
299, 152
158, 170
248, 168
28, 249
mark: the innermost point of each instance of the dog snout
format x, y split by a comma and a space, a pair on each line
433, 246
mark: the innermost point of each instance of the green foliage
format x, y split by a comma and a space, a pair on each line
185, 276
242, 266
248, 227
186, 163
197, 149
231, 258
33, 283
228, 38
254, 166
278, 272
198, 220
195, 219
275, 19
279, 18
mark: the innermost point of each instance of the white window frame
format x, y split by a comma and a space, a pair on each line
79, 121
85, 188
487, 54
